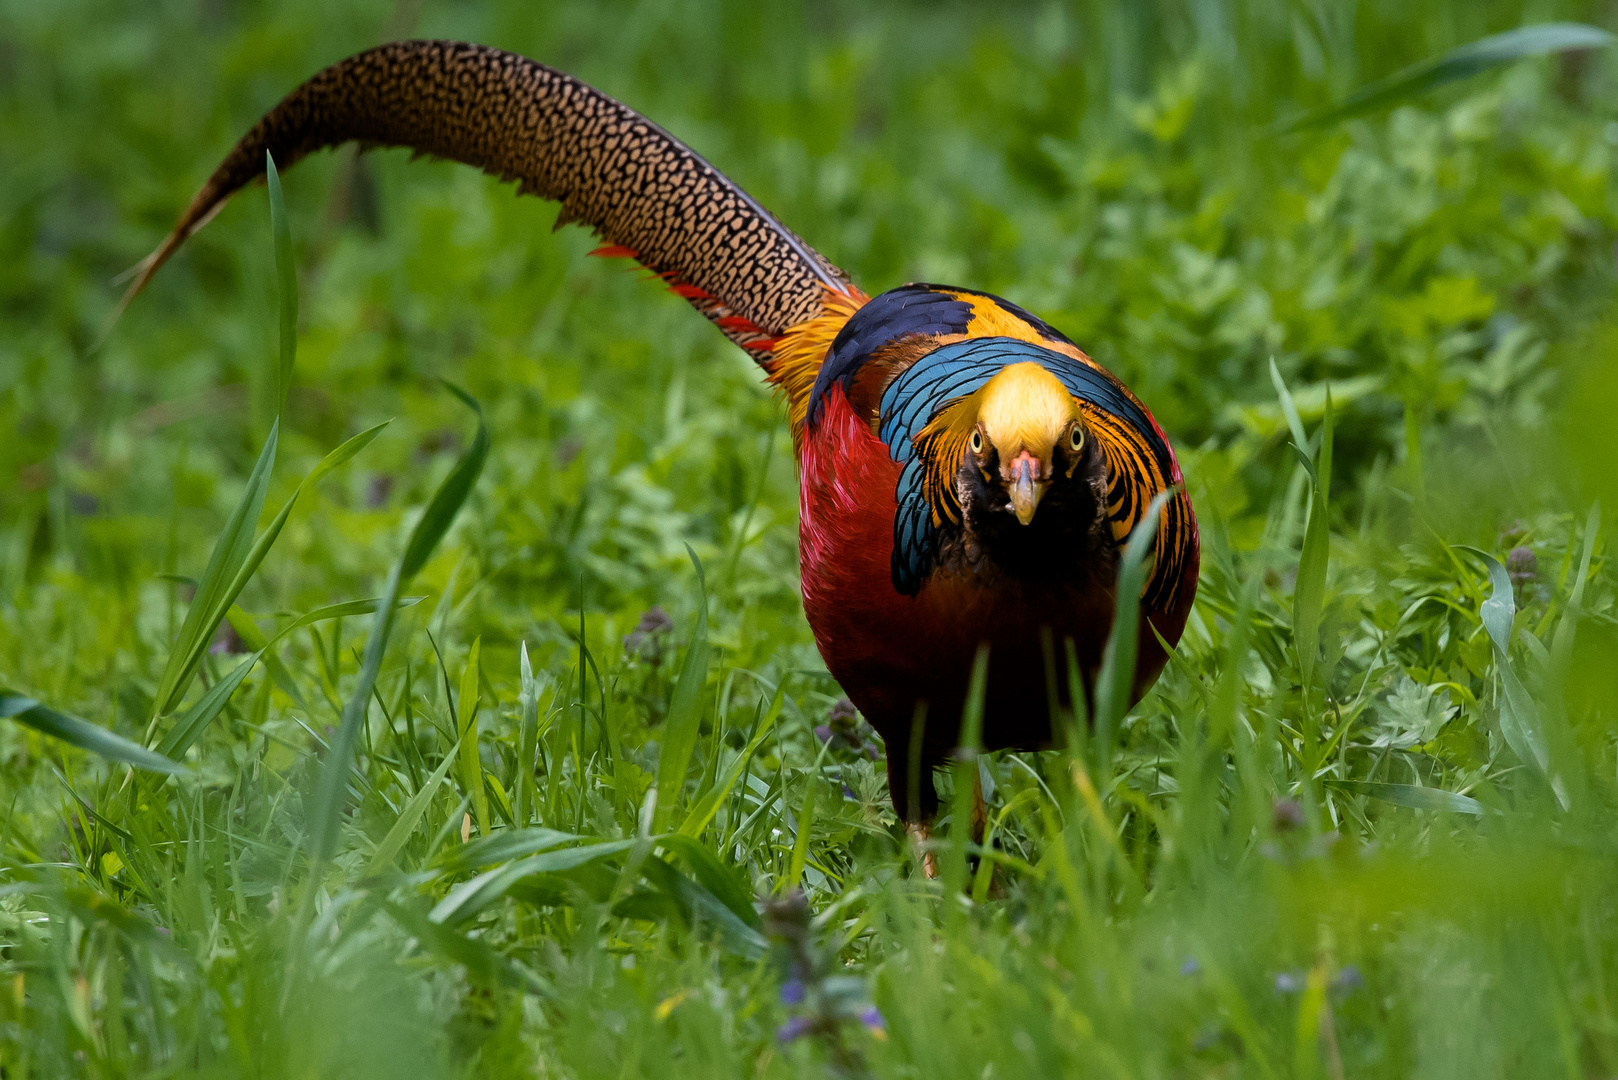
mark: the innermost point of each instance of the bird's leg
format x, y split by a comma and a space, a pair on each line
921, 834
916, 804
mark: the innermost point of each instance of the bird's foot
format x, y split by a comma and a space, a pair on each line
921, 836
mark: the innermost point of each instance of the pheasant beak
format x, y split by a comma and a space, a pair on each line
1027, 485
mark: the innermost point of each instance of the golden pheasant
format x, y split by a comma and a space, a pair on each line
967, 474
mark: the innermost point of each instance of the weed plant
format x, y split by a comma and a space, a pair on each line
401, 665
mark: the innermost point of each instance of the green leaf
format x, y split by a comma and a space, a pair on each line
527, 738
409, 817
1116, 679
1411, 795
286, 278
214, 595
211, 606
480, 960
332, 786
966, 775
81, 733
1567, 625
1289, 408
684, 715
727, 883
467, 899
1309, 593
502, 846
1519, 716
450, 496
702, 813
697, 905
800, 843
466, 724
190, 726
1463, 62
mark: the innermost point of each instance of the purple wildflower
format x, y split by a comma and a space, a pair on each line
792, 992
796, 1028
1287, 815
643, 641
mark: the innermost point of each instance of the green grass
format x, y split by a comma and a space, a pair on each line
1389, 853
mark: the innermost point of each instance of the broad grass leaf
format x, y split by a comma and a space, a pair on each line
191, 724
1459, 63
726, 883
1519, 715
685, 711
1289, 408
82, 733
503, 846
331, 787
480, 960
697, 905
468, 898
409, 817
450, 496
1411, 795
527, 737
214, 595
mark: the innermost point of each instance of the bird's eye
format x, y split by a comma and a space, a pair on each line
1075, 438
977, 442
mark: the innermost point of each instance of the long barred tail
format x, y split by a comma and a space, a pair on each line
643, 191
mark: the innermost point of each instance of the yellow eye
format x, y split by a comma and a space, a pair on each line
977, 442
1075, 438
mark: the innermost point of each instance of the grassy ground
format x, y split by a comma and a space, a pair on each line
1362, 828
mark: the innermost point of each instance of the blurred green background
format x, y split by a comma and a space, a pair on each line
1235, 906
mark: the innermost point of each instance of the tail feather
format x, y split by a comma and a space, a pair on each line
645, 193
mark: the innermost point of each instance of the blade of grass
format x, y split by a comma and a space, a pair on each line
1459, 63
330, 791
213, 602
705, 809
409, 818
800, 843
685, 713
191, 724
1115, 682
82, 733
286, 279
467, 899
527, 739
726, 883
466, 725
213, 597
1309, 593
1411, 795
966, 775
